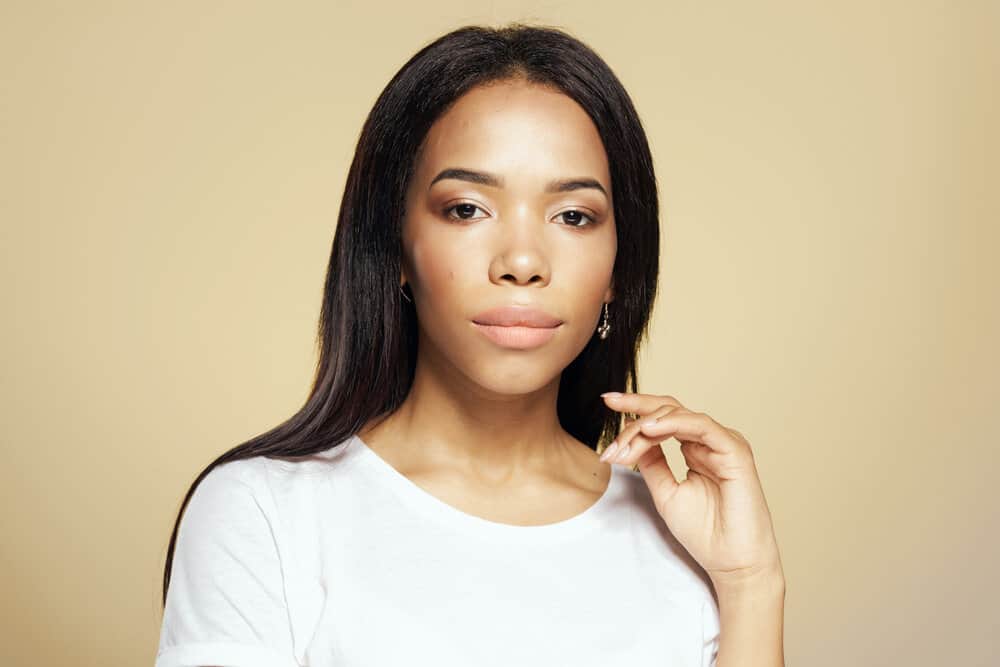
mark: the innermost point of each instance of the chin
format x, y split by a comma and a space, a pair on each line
515, 386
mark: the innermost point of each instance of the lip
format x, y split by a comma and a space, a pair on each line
517, 327
517, 316
517, 338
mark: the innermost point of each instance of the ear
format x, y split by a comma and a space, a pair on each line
609, 294
402, 270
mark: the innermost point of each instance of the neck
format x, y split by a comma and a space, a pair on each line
461, 425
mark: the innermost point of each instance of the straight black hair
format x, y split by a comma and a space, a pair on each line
367, 335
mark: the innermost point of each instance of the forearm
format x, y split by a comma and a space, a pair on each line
751, 621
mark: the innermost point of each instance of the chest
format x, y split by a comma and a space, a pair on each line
432, 599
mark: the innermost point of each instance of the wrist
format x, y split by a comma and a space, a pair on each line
751, 617
762, 583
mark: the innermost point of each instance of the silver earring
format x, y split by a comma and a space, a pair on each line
604, 327
401, 291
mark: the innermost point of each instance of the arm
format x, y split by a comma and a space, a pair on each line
751, 620
719, 515
227, 600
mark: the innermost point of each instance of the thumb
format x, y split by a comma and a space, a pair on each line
657, 472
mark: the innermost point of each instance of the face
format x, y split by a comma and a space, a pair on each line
500, 231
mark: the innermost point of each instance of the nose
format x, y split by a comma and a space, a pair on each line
521, 258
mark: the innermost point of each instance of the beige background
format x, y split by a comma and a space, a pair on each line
171, 175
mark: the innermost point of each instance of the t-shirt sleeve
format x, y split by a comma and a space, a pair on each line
226, 602
710, 632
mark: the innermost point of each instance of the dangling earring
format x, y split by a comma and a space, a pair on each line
403, 292
604, 327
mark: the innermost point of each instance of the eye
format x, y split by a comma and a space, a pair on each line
575, 219
464, 207
465, 211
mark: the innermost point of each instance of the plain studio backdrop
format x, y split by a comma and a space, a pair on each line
829, 191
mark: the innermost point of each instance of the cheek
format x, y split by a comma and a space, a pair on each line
586, 278
437, 264
589, 273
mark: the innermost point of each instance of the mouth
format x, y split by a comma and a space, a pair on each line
516, 336
517, 316
517, 326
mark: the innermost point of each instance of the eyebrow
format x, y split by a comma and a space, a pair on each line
492, 180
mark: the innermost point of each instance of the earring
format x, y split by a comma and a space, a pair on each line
604, 328
401, 291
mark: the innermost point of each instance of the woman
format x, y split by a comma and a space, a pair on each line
439, 498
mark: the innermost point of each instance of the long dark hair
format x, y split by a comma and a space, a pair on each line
367, 334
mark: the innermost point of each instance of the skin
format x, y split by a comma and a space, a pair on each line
718, 513
485, 417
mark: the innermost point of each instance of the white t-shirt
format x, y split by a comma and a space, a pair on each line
339, 560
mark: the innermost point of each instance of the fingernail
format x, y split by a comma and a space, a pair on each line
609, 452
622, 453
649, 422
611, 394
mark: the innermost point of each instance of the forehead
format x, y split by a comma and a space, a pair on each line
518, 129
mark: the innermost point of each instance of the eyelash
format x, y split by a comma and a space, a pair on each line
591, 218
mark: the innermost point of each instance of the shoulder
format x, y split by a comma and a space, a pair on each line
273, 475
228, 585
223, 506
260, 487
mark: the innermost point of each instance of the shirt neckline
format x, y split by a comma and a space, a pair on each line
416, 498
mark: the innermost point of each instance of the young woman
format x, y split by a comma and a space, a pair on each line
439, 499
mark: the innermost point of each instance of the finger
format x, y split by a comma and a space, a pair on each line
696, 456
695, 426
656, 471
621, 447
640, 404
736, 433
633, 427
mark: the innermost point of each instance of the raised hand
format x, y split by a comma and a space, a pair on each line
718, 513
